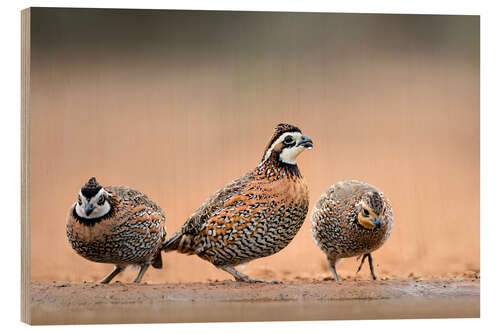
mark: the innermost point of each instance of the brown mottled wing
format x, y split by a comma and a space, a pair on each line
338, 202
140, 204
215, 203
136, 198
182, 240
258, 222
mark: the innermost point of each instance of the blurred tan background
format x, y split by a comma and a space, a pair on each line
178, 103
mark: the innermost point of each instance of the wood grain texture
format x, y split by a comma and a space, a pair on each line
25, 162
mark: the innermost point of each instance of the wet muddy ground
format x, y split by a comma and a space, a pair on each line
91, 303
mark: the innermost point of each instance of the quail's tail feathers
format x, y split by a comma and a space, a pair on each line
179, 242
157, 262
172, 243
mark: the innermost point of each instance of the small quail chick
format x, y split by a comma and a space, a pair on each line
116, 225
350, 219
254, 216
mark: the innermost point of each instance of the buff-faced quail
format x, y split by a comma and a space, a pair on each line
116, 225
350, 219
254, 216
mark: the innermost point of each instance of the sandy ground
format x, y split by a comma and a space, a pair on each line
88, 303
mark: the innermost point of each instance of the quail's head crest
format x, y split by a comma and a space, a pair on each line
282, 128
376, 202
91, 188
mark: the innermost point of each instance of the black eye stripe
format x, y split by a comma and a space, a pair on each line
101, 200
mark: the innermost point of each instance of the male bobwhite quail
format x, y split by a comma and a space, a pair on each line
254, 216
351, 219
116, 225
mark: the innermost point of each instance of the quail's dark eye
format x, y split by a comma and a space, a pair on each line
288, 139
365, 212
79, 201
100, 202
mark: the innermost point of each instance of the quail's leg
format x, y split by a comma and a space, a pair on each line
115, 272
144, 268
370, 262
331, 265
362, 262
242, 277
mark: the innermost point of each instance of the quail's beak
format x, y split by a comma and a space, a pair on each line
377, 221
306, 142
89, 209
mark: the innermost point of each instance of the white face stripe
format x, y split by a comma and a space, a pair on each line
289, 155
98, 210
280, 139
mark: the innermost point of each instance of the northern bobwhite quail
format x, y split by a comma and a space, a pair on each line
254, 216
116, 225
350, 219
